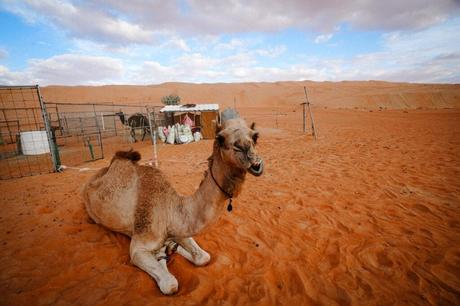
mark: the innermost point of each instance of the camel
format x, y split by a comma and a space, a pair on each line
135, 121
138, 201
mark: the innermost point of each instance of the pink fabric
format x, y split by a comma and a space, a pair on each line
188, 121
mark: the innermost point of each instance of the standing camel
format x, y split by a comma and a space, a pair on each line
139, 202
135, 121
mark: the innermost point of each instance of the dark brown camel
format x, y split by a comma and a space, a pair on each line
135, 121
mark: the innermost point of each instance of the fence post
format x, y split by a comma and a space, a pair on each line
307, 104
7, 126
115, 124
98, 132
59, 120
51, 140
304, 116
153, 136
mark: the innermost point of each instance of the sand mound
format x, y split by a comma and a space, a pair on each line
368, 95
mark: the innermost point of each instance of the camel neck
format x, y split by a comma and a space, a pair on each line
226, 193
209, 202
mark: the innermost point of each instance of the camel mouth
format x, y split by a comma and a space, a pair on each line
257, 168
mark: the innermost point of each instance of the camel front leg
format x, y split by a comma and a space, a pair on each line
142, 255
144, 133
133, 134
192, 251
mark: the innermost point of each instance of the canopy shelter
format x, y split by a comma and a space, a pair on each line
205, 116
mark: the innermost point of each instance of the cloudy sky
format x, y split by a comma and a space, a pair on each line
75, 42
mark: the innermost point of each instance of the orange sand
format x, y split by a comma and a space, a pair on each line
368, 214
367, 95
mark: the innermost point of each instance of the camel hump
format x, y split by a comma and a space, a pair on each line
131, 155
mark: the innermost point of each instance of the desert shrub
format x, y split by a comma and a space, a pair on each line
171, 100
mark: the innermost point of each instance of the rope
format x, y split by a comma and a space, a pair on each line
230, 196
64, 167
84, 169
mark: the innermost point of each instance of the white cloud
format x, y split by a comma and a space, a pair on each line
176, 43
211, 17
8, 77
233, 44
66, 69
140, 21
272, 52
429, 55
320, 39
82, 20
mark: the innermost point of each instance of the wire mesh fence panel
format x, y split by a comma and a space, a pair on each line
25, 142
282, 119
87, 132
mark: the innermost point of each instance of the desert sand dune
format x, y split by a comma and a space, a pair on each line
363, 95
368, 214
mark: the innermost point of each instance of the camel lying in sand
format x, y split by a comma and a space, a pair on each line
139, 202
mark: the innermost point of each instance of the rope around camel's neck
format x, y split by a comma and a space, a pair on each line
230, 184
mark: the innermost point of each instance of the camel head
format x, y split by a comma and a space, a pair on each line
236, 143
121, 115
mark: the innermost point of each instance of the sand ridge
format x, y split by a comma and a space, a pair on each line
350, 94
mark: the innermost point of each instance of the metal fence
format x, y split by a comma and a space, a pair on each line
26, 146
87, 132
38, 137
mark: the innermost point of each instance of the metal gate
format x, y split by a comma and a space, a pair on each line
26, 138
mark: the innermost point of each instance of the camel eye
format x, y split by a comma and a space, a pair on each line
237, 149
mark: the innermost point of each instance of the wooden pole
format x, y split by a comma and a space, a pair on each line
99, 133
153, 136
276, 118
307, 104
102, 120
304, 117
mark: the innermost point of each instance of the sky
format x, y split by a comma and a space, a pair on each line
78, 42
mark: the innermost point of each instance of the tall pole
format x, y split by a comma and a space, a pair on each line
153, 136
51, 141
276, 118
307, 103
304, 117
99, 133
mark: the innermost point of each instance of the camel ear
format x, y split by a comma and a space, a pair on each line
255, 136
220, 139
218, 127
253, 126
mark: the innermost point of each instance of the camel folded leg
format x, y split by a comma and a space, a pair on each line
142, 252
192, 251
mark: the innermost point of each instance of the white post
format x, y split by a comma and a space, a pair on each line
102, 120
153, 136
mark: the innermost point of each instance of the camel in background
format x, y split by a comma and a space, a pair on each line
139, 202
135, 121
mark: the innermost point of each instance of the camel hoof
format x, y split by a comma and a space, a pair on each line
169, 286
